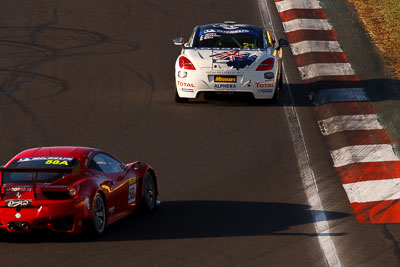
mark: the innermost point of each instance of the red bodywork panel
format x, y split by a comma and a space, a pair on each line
30, 205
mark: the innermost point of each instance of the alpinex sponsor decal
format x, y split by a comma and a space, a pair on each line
225, 79
224, 86
185, 84
234, 59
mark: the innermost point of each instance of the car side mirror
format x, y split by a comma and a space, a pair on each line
178, 41
282, 43
136, 166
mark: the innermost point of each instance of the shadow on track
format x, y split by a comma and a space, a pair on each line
199, 219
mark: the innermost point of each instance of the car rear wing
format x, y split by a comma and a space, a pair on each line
57, 170
74, 170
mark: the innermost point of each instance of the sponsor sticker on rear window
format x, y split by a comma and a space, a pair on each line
45, 159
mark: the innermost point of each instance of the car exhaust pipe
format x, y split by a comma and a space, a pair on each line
25, 226
10, 226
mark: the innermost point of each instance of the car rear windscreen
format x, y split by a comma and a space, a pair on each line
218, 37
38, 162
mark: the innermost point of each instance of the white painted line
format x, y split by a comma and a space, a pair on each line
297, 4
349, 123
315, 46
321, 223
363, 153
339, 95
306, 24
325, 69
374, 190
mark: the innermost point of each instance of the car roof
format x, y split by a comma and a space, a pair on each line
232, 26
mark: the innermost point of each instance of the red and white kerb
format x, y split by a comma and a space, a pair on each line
361, 151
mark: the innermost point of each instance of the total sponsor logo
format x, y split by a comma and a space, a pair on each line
185, 84
260, 84
264, 84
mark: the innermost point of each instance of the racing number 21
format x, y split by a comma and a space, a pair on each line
248, 45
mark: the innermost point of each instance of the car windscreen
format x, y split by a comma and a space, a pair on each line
38, 162
217, 37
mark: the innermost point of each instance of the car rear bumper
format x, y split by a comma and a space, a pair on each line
253, 82
63, 216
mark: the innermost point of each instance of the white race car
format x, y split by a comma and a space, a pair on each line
229, 58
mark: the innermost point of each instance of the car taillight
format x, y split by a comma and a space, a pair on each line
73, 190
266, 64
185, 63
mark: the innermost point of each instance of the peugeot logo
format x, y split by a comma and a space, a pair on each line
18, 195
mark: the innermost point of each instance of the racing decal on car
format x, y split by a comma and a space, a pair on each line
18, 203
229, 31
132, 190
234, 59
265, 90
264, 85
223, 86
216, 72
225, 79
228, 27
187, 90
185, 84
56, 162
45, 158
18, 189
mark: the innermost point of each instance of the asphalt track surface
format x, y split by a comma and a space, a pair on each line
100, 74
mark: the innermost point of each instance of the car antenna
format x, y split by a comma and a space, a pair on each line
49, 151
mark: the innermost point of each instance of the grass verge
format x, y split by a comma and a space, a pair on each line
381, 19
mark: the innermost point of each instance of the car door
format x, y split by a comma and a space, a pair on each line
116, 172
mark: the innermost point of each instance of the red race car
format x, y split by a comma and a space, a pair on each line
72, 189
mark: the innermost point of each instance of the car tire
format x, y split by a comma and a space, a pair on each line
278, 89
149, 201
179, 99
99, 218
